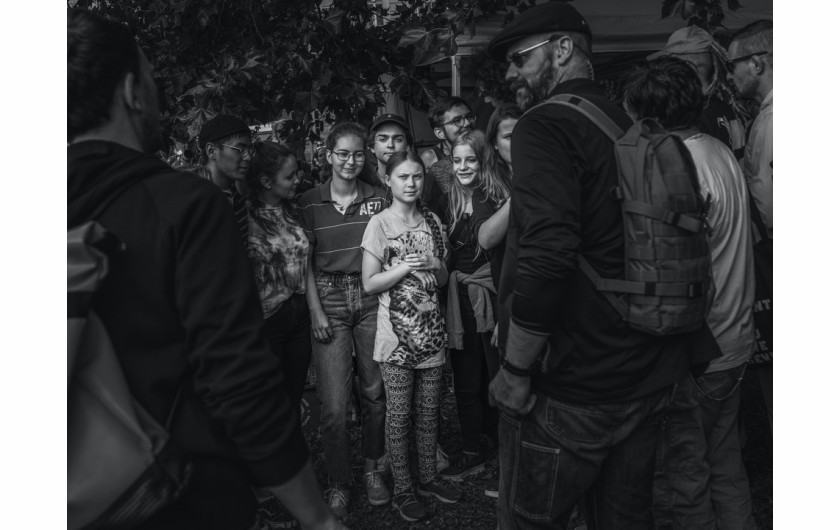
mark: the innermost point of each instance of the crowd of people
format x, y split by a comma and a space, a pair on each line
398, 270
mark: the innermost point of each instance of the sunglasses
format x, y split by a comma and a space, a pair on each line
244, 150
730, 64
518, 58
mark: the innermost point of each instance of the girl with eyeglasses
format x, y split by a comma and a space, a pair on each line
470, 316
334, 216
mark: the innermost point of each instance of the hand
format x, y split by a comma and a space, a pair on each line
427, 279
512, 394
422, 262
321, 326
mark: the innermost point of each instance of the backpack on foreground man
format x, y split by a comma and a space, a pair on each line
179, 303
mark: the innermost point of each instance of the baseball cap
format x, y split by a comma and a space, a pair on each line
690, 39
221, 127
390, 118
543, 18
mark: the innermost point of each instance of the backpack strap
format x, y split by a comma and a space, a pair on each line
588, 109
686, 222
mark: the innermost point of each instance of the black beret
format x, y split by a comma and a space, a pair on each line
221, 127
544, 18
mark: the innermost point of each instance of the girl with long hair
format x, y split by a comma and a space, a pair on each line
334, 216
404, 259
491, 200
279, 252
469, 312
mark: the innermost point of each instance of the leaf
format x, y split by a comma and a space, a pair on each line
335, 20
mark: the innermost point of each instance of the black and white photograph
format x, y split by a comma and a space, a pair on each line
427, 264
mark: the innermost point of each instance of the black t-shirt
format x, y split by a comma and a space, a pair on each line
466, 255
483, 209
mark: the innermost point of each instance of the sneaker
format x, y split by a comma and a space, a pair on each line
410, 508
440, 490
491, 488
377, 493
272, 515
383, 465
467, 464
337, 499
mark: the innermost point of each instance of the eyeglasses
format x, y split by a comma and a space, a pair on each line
730, 64
249, 149
344, 156
459, 121
518, 58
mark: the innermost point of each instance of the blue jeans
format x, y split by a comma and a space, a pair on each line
352, 316
700, 479
562, 452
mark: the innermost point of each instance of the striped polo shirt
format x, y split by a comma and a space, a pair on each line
336, 237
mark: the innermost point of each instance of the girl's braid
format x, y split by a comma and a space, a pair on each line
436, 234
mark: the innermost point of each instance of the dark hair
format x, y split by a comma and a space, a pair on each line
756, 37
440, 106
100, 52
411, 156
496, 178
269, 158
667, 90
347, 128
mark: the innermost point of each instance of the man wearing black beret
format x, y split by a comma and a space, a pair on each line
583, 394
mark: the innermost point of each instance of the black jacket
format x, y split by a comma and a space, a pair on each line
561, 206
182, 309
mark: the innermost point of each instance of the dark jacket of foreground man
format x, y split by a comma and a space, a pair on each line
182, 309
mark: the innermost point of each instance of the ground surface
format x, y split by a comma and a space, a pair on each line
477, 512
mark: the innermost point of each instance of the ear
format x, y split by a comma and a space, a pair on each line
210, 150
129, 92
439, 133
265, 181
565, 47
758, 64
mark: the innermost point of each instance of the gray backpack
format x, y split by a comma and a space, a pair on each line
667, 286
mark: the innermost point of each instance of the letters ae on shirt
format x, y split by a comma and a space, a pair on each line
370, 208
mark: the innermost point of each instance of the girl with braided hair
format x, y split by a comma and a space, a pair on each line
403, 260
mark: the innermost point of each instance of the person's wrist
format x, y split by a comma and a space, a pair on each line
516, 370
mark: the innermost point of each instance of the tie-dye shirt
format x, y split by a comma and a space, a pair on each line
278, 250
409, 326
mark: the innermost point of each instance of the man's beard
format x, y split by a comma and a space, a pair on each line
528, 96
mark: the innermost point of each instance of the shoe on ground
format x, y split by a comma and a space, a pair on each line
272, 515
383, 465
467, 464
440, 490
377, 493
338, 497
491, 488
410, 507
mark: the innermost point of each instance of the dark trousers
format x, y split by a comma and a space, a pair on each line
700, 480
472, 369
562, 452
288, 334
